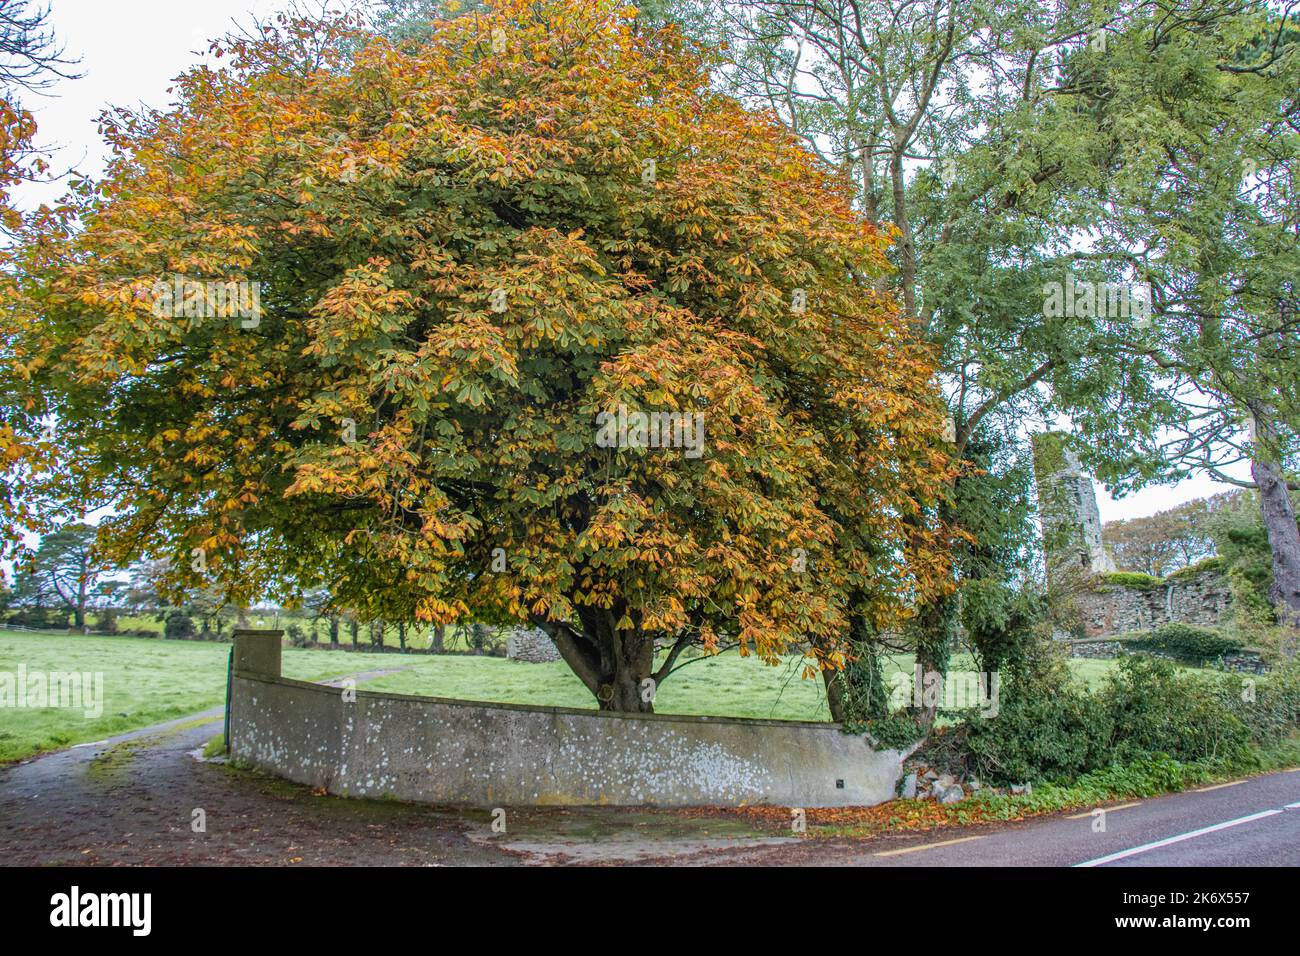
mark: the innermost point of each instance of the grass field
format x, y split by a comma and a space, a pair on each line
149, 680
145, 681
722, 686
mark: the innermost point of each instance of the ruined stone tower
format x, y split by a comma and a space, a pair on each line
1072, 546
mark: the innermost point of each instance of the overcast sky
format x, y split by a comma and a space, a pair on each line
131, 49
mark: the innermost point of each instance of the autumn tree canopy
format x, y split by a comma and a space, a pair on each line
348, 319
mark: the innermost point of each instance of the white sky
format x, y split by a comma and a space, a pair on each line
131, 49
1150, 500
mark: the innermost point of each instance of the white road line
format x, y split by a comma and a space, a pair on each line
1122, 806
1178, 839
928, 846
1220, 786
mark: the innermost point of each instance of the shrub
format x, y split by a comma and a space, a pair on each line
1193, 645
1269, 706
178, 626
1204, 566
1133, 579
39, 617
1001, 622
1150, 712
1048, 727
898, 731
1155, 708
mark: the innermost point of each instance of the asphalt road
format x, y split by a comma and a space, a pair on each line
1254, 822
133, 800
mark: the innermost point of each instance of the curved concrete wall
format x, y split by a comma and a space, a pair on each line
441, 751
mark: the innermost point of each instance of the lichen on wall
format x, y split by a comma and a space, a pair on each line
462, 752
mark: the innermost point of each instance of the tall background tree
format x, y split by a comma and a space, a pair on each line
1198, 197
926, 110
63, 572
30, 58
1168, 540
1018, 145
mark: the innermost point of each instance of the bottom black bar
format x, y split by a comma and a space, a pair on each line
366, 906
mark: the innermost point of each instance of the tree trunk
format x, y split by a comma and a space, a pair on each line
906, 244
1280, 523
633, 662
83, 601
439, 636
834, 695
355, 627
334, 631
617, 666
857, 692
934, 626
401, 634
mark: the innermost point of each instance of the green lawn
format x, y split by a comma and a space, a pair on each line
146, 681
726, 686
723, 686
149, 680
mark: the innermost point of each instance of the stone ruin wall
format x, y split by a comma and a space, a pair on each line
1078, 565
531, 645
1201, 598
1067, 505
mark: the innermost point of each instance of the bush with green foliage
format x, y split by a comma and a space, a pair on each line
1269, 706
1204, 566
897, 731
178, 626
1048, 727
39, 617
1051, 728
1190, 644
1155, 707
1000, 621
1241, 541
1133, 579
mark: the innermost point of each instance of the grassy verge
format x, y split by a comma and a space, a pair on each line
145, 681
1139, 780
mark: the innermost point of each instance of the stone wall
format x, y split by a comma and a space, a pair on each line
466, 753
1067, 508
531, 644
1203, 598
1096, 650
1081, 572
1244, 662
